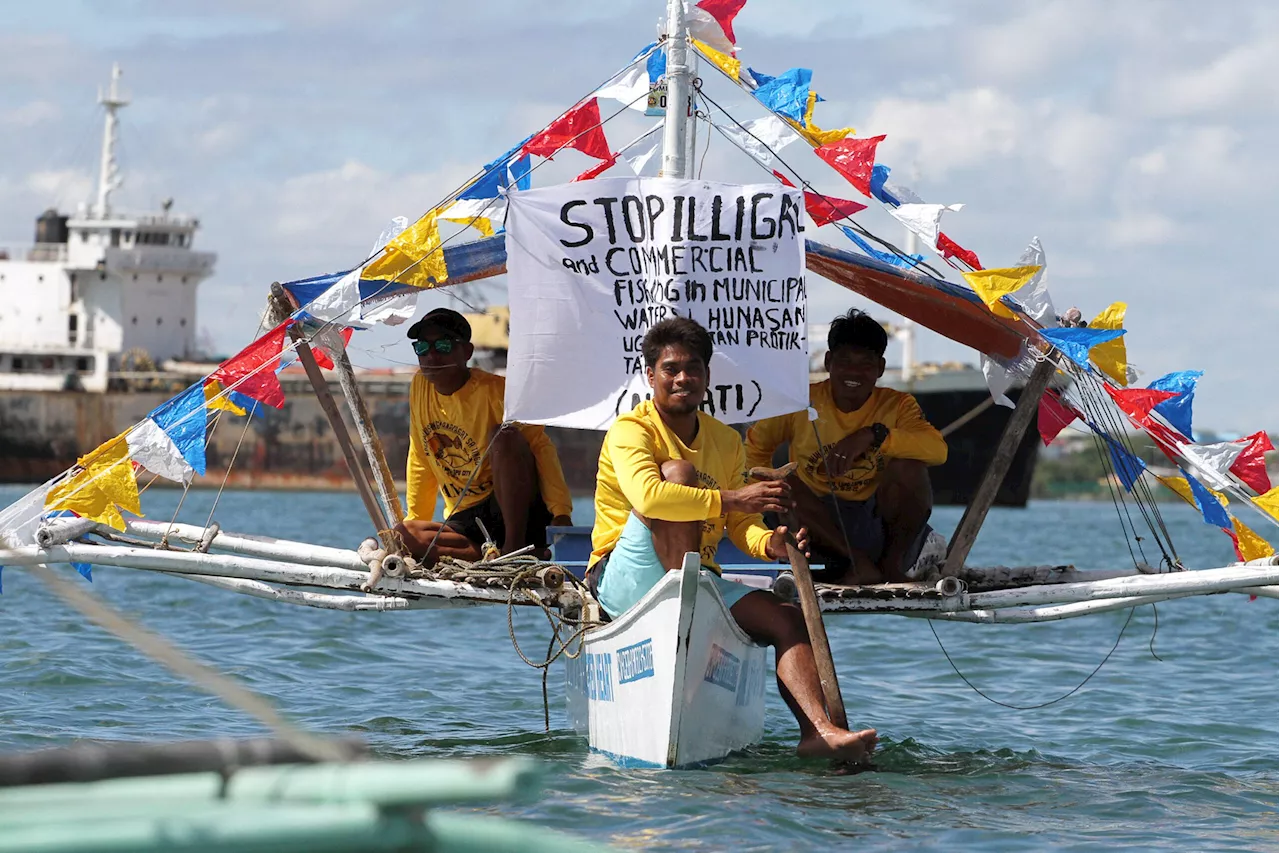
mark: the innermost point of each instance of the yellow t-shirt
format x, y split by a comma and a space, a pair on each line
629, 476
448, 434
910, 437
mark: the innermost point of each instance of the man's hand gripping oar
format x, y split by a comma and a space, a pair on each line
809, 605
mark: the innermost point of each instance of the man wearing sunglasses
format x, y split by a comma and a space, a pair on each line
507, 479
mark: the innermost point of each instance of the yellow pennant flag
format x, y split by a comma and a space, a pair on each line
1268, 502
212, 401
106, 480
810, 131
990, 285
1180, 485
730, 65
1111, 357
1252, 546
415, 257
484, 226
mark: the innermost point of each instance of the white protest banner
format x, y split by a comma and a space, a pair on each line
593, 265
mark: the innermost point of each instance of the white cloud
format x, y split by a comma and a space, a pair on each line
963, 129
56, 185
1141, 228
30, 114
1241, 78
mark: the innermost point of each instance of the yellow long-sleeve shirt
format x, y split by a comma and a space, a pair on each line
910, 437
448, 434
629, 476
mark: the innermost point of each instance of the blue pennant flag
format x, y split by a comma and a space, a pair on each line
1128, 467
85, 570
880, 174
788, 93
520, 170
251, 406
1075, 343
1177, 410
184, 419
494, 176
489, 184
656, 65
885, 257
760, 77
1214, 513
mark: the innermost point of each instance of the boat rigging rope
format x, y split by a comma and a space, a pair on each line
1070, 692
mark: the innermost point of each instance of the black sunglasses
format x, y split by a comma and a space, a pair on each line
444, 346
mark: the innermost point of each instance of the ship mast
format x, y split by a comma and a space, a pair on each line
109, 172
675, 131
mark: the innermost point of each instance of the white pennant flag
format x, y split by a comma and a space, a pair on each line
20, 520
151, 447
467, 209
643, 156
703, 27
766, 137
999, 381
1034, 295
1213, 461
924, 220
341, 303
630, 86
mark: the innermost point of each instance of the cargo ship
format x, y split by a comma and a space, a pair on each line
98, 327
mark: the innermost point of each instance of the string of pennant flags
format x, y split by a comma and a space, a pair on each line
409, 257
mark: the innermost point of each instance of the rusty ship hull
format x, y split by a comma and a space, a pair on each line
43, 433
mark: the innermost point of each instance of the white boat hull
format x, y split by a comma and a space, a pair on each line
673, 682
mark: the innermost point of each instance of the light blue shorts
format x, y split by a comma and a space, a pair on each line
633, 569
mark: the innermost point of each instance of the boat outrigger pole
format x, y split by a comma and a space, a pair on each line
382, 516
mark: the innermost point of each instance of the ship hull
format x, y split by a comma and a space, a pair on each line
42, 434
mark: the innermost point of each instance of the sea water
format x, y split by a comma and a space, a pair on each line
1171, 745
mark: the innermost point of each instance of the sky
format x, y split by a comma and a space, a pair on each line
1138, 140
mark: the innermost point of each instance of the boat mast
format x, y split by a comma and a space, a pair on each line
108, 171
675, 132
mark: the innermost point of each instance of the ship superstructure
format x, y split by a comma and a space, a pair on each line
100, 291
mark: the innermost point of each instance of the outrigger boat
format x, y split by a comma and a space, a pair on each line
673, 682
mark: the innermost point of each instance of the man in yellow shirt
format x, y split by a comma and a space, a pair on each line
506, 477
673, 479
864, 491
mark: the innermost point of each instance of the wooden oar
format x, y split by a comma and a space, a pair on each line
809, 606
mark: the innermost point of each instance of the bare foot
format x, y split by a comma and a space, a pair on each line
839, 744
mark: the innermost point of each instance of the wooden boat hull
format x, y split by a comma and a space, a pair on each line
673, 682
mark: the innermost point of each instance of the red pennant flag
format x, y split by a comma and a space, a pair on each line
1250, 466
1053, 417
853, 158
322, 357
824, 208
579, 128
1137, 403
950, 249
1166, 439
782, 178
596, 170
1235, 543
724, 11
256, 364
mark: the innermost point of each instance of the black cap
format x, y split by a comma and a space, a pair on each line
446, 320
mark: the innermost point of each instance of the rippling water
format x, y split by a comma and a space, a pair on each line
1175, 751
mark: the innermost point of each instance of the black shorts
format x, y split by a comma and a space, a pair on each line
861, 522
464, 521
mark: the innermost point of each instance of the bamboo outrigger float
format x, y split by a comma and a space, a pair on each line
672, 682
